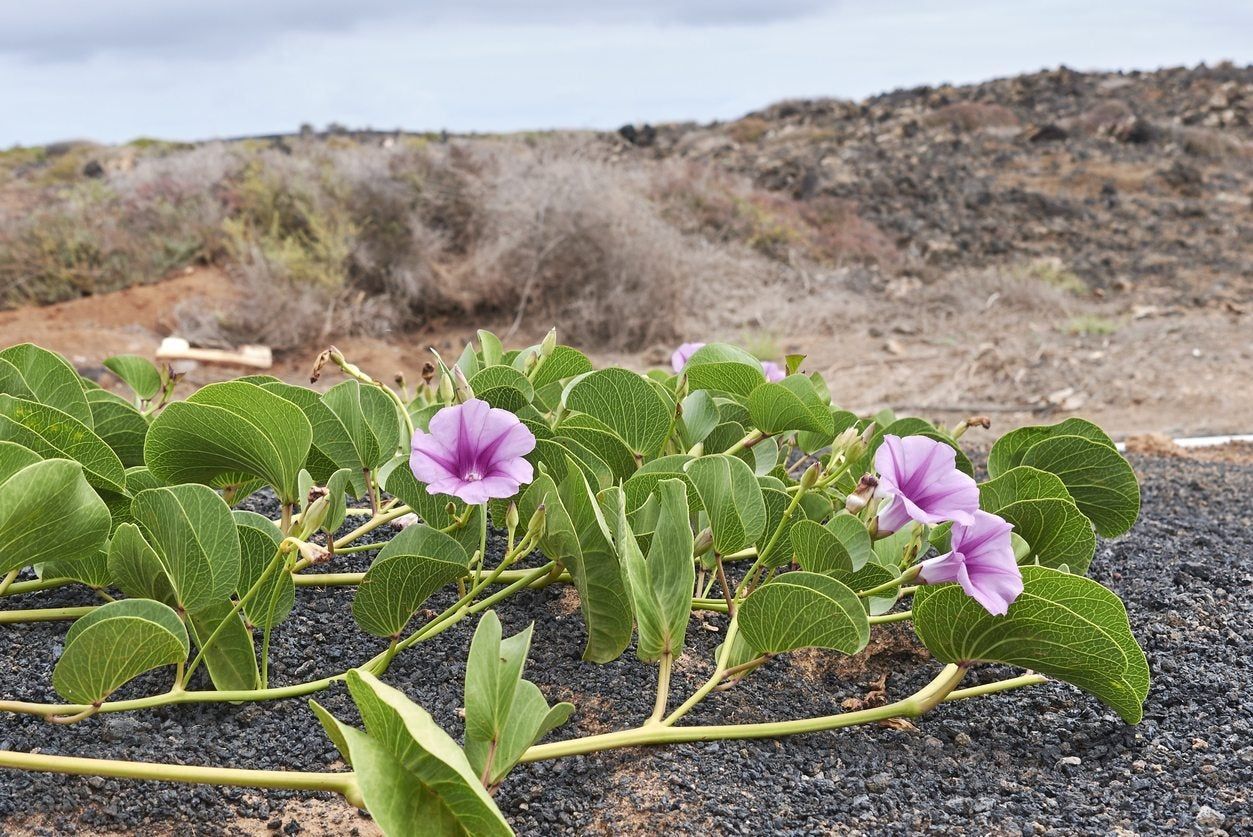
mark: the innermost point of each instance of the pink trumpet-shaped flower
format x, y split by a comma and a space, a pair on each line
919, 476
982, 562
680, 357
473, 451
773, 371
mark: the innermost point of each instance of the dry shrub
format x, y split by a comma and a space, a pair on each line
748, 130
971, 116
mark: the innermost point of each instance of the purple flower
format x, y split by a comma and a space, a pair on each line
772, 370
919, 476
473, 451
680, 357
982, 562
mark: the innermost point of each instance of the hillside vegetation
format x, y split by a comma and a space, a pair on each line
1080, 184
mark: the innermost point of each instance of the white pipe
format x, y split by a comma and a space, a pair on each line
1201, 441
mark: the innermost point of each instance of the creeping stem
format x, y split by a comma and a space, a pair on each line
7, 581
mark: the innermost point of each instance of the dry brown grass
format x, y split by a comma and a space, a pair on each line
971, 116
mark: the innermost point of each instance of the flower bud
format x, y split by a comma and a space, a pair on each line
446, 391
461, 387
314, 516
536, 525
860, 497
549, 345
428, 372
703, 543
313, 553
810, 478
405, 520
511, 519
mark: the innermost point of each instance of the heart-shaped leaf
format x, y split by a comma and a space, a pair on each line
505, 714
48, 512
503, 387
1020, 483
732, 498
114, 644
627, 403
136, 568
804, 610
1101, 482
48, 378
818, 550
411, 567
562, 364
414, 778
1062, 625
599, 438
1009, 450
790, 404
332, 447
232, 427
136, 372
191, 530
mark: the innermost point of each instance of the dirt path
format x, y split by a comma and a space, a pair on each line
1019, 352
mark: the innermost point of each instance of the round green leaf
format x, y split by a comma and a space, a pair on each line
259, 540
732, 498
114, 644
804, 610
52, 433
562, 364
191, 530
1101, 482
48, 378
48, 512
790, 404
492, 383
1020, 483
1009, 450
412, 566
1062, 625
723, 368
1059, 535
817, 548
627, 403
370, 418
119, 425
232, 427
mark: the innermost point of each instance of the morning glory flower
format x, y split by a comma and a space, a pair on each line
919, 477
982, 562
772, 370
679, 359
473, 451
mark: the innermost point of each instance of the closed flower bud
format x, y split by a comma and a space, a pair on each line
511, 518
549, 345
536, 524
810, 478
859, 498
703, 543
313, 553
315, 513
446, 391
461, 386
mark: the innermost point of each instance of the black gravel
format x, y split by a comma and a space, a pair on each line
1047, 760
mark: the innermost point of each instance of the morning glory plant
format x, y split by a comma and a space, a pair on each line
722, 484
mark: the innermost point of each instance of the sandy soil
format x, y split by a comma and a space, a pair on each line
1021, 352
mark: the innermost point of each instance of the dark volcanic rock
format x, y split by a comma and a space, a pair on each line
1048, 760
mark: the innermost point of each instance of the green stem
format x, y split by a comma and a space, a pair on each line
47, 614
903, 616
911, 707
998, 686
663, 688
750, 439
720, 669
341, 783
35, 585
904, 578
7, 581
370, 525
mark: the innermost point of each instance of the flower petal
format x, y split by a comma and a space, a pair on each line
681, 355
941, 568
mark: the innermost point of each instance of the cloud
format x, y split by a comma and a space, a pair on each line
71, 30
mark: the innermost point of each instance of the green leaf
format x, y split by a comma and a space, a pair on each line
433, 508
699, 416
259, 540
1058, 533
48, 378
191, 530
1009, 450
92, 569
232, 427
627, 403
870, 576
370, 418
723, 368
136, 372
599, 438
818, 550
54, 434
48, 512
1065, 626
136, 568
503, 387
575, 533
660, 587
490, 348
505, 714
562, 364
1020, 483
777, 502
732, 499
331, 448
411, 567
1101, 482
232, 659
790, 404
15, 457
804, 610
119, 425
114, 644
852, 533
414, 778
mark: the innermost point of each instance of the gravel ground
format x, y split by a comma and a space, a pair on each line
1047, 760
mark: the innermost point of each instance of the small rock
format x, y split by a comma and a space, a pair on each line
1207, 817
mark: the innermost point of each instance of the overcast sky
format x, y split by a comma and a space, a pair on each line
191, 69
